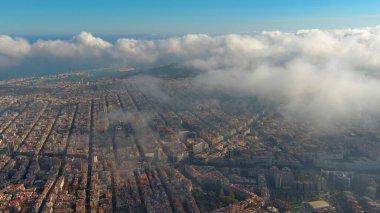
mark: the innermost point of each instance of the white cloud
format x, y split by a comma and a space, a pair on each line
134, 51
82, 45
11, 50
87, 39
325, 76
13, 46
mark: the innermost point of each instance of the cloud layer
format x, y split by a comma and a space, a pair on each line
324, 76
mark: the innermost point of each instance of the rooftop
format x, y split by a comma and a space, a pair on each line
318, 204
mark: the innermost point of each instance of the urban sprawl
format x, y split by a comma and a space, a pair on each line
79, 143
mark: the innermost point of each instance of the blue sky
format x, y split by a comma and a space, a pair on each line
181, 16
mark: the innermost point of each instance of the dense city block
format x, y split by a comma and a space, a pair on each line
83, 142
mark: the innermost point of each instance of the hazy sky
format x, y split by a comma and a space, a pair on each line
181, 17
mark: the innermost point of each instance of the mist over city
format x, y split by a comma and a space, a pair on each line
190, 106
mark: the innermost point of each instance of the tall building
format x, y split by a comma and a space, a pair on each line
276, 176
371, 192
287, 178
282, 178
320, 183
10, 148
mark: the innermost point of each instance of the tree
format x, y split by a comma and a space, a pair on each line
221, 193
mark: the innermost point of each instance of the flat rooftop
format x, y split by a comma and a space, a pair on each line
318, 204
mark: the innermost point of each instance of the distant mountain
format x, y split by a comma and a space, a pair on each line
174, 71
